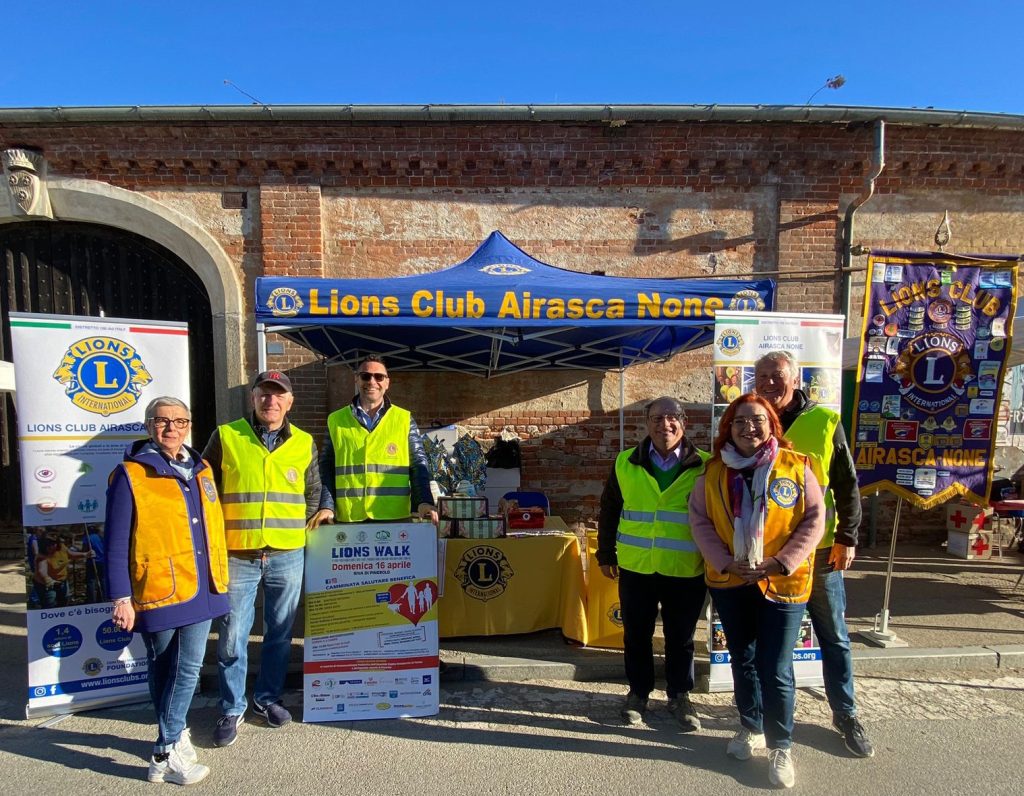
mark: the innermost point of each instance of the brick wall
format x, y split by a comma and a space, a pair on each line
349, 199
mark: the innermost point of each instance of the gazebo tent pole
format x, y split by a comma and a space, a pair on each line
261, 347
622, 405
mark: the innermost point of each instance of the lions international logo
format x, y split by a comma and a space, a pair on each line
92, 667
784, 491
209, 488
615, 615
933, 371
484, 572
747, 301
102, 375
392, 449
730, 342
505, 269
291, 475
341, 537
284, 302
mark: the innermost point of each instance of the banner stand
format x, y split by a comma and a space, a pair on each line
881, 635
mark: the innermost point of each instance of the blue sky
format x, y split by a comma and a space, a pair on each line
941, 54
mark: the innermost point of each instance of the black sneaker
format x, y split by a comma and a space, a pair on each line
683, 710
633, 708
275, 714
854, 735
226, 731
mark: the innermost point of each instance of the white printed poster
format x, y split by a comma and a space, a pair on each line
371, 646
741, 338
83, 385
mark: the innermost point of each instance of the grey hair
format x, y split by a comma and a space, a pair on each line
784, 356
165, 400
677, 407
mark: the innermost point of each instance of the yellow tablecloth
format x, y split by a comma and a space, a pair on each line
604, 617
522, 584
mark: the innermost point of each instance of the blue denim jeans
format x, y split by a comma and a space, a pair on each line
760, 636
827, 608
281, 576
175, 657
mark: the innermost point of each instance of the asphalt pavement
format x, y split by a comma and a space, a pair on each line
534, 714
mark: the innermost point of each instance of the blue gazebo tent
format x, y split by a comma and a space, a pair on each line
501, 311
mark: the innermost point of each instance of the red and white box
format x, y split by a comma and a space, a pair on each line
971, 546
966, 518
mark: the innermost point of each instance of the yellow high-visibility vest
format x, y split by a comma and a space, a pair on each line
371, 468
264, 491
654, 527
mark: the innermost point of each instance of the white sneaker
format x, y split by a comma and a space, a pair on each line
185, 747
780, 768
174, 768
744, 744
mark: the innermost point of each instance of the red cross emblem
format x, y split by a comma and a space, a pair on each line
980, 546
958, 519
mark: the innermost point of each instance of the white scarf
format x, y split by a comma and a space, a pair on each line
749, 505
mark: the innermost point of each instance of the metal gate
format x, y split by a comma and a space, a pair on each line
67, 268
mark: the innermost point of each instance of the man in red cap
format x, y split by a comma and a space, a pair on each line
267, 476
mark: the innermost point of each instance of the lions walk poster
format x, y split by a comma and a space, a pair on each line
371, 648
83, 385
936, 338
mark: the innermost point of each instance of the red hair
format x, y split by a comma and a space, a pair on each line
725, 424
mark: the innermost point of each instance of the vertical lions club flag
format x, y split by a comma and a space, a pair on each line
83, 385
936, 339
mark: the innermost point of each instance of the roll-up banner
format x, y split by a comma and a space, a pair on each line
816, 344
82, 389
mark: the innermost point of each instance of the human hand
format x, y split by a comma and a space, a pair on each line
123, 616
610, 571
841, 557
321, 517
426, 511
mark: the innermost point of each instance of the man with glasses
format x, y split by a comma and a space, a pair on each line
644, 541
267, 475
372, 462
816, 431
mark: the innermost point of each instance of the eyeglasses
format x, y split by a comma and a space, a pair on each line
178, 422
659, 419
757, 421
377, 377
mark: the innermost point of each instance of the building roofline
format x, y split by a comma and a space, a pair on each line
807, 114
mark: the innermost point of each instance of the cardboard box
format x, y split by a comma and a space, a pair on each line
499, 481
971, 546
966, 518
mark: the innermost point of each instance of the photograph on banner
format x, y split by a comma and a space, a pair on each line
371, 631
83, 386
806, 655
65, 565
741, 338
936, 337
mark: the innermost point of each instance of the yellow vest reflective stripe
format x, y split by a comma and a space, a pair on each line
371, 468
812, 433
654, 527
264, 492
785, 510
161, 558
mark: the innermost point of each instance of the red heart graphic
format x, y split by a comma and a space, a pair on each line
412, 600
